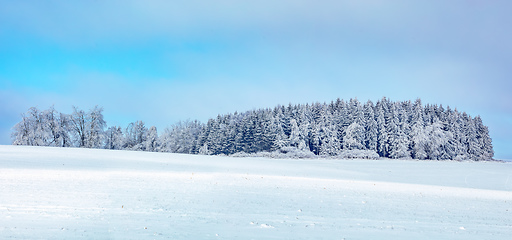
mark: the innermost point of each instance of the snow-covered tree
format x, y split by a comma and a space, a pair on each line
23, 131
152, 140
354, 135
181, 137
419, 141
436, 141
135, 136
295, 133
114, 138
382, 134
50, 124
484, 140
78, 124
95, 126
65, 130
400, 141
370, 129
204, 150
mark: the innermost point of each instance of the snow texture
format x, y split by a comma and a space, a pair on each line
70, 193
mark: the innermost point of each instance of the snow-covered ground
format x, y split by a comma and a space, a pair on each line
65, 193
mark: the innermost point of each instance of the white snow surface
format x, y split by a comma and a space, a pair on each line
69, 193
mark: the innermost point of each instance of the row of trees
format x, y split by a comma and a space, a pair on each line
81, 129
390, 129
51, 128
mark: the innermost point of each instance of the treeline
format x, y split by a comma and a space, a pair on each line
81, 129
339, 128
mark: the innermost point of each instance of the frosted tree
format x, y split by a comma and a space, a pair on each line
401, 146
353, 137
355, 112
38, 129
437, 139
135, 135
213, 135
231, 133
471, 141
419, 139
315, 139
247, 134
78, 125
204, 150
151, 140
459, 148
484, 140
454, 149
370, 131
330, 142
295, 134
382, 135
51, 126
400, 141
114, 138
258, 134
281, 140
303, 134
23, 131
64, 130
41, 129
278, 137
182, 137
39, 134
95, 126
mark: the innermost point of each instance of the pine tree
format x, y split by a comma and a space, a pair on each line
418, 136
204, 150
484, 140
472, 143
437, 139
280, 139
353, 137
330, 143
295, 133
370, 128
400, 142
382, 136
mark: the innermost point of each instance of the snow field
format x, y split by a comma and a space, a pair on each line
57, 193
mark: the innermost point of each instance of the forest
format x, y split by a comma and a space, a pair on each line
343, 129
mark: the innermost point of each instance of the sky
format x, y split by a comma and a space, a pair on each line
166, 61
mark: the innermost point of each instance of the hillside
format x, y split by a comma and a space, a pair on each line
71, 193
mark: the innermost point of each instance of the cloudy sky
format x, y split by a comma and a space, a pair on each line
165, 61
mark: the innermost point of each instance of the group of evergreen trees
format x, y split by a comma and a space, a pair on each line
387, 129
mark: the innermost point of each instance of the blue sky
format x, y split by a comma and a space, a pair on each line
165, 61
